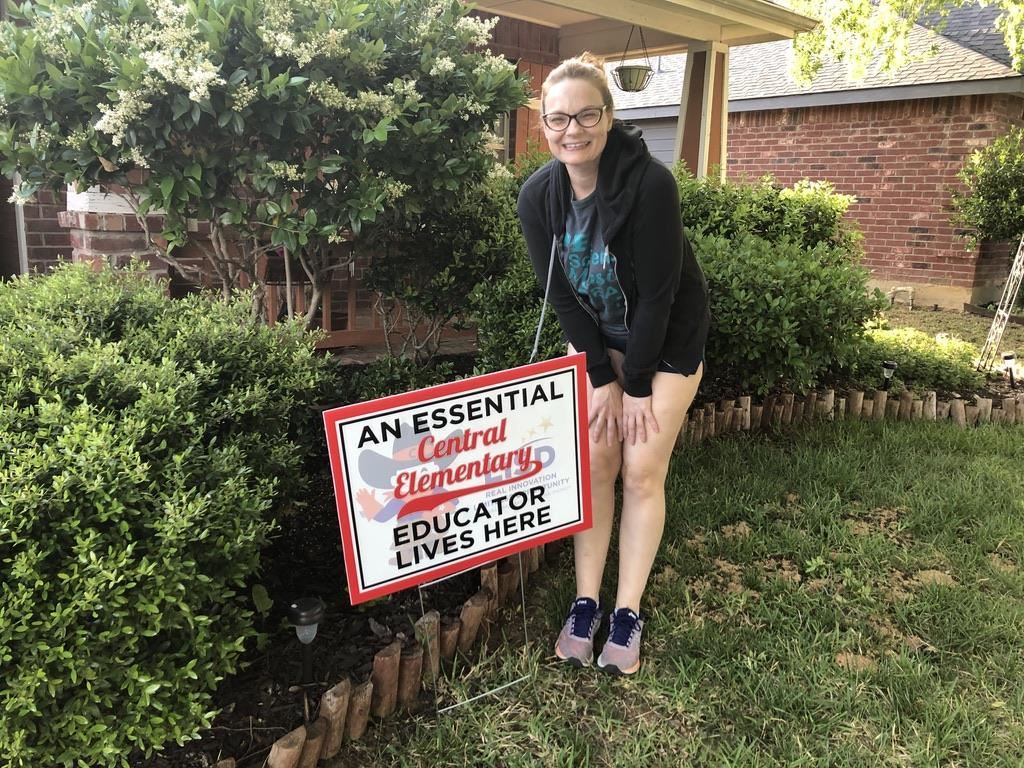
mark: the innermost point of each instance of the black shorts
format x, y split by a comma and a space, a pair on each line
619, 345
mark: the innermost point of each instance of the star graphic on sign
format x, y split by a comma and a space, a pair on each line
546, 424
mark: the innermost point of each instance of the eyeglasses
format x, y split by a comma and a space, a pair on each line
585, 118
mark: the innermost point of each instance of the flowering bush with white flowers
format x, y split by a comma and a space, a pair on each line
284, 123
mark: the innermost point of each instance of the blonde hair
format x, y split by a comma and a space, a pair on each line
587, 67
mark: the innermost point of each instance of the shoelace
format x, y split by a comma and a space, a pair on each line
582, 614
624, 623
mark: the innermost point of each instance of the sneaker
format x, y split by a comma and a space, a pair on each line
575, 644
621, 652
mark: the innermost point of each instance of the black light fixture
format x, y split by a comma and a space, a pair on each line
888, 369
633, 77
305, 614
1010, 362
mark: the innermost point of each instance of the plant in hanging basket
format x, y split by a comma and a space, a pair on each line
632, 77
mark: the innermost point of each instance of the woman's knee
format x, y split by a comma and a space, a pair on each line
643, 478
605, 462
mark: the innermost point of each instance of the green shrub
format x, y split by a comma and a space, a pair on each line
393, 375
925, 362
143, 442
427, 268
993, 204
781, 314
808, 213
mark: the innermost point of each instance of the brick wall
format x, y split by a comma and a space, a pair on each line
900, 159
9, 257
46, 240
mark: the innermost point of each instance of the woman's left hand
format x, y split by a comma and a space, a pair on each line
637, 419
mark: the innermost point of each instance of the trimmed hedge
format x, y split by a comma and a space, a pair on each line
783, 314
143, 443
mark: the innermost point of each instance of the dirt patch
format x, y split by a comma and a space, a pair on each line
886, 521
932, 577
1002, 563
738, 531
698, 542
782, 569
855, 662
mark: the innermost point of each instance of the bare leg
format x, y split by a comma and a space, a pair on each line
590, 547
644, 467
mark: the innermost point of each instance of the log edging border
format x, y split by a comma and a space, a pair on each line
741, 414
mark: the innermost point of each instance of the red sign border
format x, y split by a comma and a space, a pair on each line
576, 362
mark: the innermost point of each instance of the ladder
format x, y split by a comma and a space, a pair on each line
995, 333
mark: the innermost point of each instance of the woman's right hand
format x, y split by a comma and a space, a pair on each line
606, 413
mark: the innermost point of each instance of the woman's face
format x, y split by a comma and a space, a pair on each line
576, 146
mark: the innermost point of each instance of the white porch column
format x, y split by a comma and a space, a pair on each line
701, 132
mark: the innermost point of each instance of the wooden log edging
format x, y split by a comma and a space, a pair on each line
400, 670
785, 410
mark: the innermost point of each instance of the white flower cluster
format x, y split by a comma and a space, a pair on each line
130, 105
442, 66
404, 89
51, 30
431, 13
333, 97
470, 107
38, 137
195, 73
276, 33
3, 107
78, 139
174, 52
393, 189
499, 171
285, 171
274, 30
478, 31
135, 155
493, 65
243, 95
21, 196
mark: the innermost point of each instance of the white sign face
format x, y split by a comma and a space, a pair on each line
436, 481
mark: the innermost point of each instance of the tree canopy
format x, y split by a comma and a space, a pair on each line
858, 31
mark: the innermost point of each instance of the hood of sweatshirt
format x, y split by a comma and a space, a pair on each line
623, 163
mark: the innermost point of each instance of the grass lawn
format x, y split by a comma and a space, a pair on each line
845, 595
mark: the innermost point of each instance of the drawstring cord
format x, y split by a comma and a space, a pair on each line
544, 306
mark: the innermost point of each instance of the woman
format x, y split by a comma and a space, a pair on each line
603, 230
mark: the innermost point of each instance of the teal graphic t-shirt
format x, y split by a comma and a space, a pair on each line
591, 267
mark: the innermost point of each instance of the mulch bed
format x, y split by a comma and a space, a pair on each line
263, 702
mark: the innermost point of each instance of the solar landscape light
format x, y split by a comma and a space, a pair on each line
305, 614
888, 369
1010, 362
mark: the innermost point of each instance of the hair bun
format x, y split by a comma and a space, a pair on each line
592, 59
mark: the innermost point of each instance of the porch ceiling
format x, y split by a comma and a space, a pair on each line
670, 26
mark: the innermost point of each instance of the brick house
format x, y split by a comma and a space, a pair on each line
536, 34
895, 142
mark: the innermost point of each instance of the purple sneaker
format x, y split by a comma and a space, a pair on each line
575, 644
621, 652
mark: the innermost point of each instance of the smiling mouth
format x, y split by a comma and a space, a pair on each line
576, 145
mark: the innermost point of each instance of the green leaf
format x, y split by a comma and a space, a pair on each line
167, 187
261, 599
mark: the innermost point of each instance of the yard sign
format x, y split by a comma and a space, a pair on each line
432, 482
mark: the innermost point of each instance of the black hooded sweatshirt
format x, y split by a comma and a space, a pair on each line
638, 214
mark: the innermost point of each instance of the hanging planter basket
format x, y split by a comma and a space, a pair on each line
632, 77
